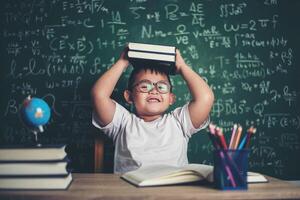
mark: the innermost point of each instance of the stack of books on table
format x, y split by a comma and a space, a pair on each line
35, 168
140, 54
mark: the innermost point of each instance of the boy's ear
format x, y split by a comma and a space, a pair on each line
172, 98
127, 96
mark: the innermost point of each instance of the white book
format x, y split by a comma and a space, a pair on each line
33, 168
151, 56
151, 48
156, 175
32, 153
35, 183
140, 54
254, 177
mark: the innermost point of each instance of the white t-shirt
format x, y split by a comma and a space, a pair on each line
139, 143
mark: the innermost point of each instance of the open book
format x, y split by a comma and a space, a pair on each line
168, 175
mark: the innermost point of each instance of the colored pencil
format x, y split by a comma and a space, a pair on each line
232, 136
251, 132
243, 142
221, 137
237, 137
213, 136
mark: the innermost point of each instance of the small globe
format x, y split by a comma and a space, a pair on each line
35, 113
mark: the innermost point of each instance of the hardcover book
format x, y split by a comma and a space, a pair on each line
32, 153
36, 183
140, 54
34, 167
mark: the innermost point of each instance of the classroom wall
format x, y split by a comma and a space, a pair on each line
247, 51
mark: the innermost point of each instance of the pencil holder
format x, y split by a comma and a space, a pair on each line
230, 169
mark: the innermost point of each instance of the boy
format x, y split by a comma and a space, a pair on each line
149, 136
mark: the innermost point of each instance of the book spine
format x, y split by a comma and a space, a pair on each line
151, 56
65, 159
152, 48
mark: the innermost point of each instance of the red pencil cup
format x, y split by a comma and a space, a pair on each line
230, 169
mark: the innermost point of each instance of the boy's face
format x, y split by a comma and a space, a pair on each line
151, 104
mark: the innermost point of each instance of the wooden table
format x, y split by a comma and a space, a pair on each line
110, 186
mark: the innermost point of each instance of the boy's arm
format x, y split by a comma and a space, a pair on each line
202, 95
103, 105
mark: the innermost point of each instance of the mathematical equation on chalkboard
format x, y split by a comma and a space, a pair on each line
57, 49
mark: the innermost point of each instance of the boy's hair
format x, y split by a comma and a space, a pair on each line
153, 69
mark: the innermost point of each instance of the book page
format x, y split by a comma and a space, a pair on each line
253, 177
151, 172
189, 172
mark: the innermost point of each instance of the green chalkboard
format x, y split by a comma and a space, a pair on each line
248, 51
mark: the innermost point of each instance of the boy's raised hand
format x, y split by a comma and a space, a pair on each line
202, 96
103, 88
124, 56
179, 62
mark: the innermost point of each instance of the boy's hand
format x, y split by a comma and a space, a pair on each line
102, 90
179, 63
202, 96
124, 56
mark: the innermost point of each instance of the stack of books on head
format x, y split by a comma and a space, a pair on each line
34, 168
163, 56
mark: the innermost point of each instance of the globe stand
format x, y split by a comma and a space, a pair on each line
39, 129
36, 139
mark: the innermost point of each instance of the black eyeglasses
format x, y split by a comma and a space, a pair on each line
146, 86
